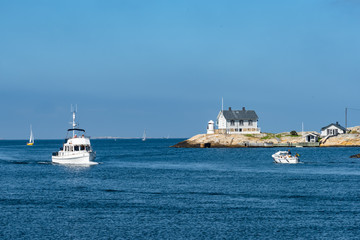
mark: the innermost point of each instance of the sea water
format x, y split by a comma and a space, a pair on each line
146, 190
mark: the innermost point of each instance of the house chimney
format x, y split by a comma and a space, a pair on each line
337, 123
243, 108
229, 108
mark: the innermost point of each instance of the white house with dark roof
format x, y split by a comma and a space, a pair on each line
332, 129
238, 121
312, 137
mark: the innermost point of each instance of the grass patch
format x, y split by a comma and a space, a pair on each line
249, 135
268, 136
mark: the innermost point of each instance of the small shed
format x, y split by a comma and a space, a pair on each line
312, 137
332, 129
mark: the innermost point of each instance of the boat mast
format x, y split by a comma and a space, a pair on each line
74, 110
302, 129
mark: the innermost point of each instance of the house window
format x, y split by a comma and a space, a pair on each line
332, 131
232, 123
241, 122
250, 123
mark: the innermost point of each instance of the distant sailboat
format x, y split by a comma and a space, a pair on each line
31, 140
144, 136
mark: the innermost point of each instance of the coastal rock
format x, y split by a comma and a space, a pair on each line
342, 140
234, 140
266, 140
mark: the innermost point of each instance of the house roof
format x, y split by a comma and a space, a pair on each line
313, 134
240, 115
334, 124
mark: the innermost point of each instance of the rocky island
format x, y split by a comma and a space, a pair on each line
285, 139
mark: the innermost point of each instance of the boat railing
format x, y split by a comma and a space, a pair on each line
82, 136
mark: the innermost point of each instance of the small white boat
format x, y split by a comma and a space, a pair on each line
76, 149
285, 157
31, 139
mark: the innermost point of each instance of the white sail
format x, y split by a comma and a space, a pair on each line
31, 140
144, 136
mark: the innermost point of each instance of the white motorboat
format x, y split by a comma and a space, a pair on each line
285, 157
76, 149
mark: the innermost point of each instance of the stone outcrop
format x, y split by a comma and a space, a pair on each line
219, 140
342, 140
266, 140
237, 140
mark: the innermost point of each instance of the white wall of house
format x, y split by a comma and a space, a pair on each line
221, 121
237, 127
243, 124
333, 130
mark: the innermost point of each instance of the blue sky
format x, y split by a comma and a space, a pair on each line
164, 65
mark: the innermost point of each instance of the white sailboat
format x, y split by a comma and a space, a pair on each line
31, 139
144, 136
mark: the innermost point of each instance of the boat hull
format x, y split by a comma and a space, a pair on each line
30, 144
287, 160
76, 159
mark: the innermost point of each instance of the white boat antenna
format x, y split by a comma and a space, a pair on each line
74, 124
73, 109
